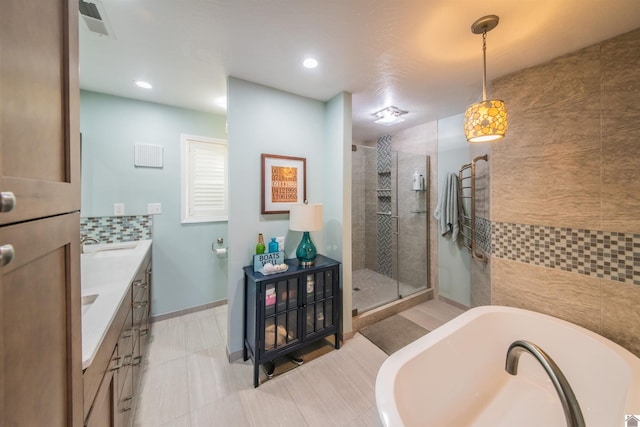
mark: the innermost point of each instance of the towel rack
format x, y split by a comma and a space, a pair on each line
467, 191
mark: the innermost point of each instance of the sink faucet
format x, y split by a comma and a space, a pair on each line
572, 411
85, 239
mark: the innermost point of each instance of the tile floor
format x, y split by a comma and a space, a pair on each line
188, 382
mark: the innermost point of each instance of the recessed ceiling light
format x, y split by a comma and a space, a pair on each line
143, 84
310, 63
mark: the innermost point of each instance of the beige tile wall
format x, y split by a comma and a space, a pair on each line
571, 159
480, 282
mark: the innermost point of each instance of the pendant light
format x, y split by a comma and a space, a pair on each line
487, 120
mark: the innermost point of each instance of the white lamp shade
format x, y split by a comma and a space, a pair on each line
305, 217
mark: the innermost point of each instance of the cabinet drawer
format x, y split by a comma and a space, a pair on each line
92, 376
125, 341
124, 402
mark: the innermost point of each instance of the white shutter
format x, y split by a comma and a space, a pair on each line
204, 180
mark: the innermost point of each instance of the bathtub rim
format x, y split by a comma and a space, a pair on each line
385, 380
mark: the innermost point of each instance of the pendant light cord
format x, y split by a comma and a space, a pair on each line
484, 64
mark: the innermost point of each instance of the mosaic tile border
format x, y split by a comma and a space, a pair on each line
609, 255
112, 229
483, 234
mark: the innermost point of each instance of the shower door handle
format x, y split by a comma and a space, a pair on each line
397, 218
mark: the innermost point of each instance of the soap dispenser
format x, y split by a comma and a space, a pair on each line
417, 181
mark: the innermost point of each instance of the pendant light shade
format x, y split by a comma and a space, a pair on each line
486, 120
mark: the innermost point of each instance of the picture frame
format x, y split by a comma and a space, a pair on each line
284, 182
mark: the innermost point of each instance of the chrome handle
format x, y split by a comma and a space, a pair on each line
125, 401
140, 284
140, 304
6, 254
7, 201
118, 365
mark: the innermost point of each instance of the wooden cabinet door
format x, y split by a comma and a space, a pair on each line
39, 108
40, 325
103, 411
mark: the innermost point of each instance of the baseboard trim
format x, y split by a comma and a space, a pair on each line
188, 311
235, 356
453, 303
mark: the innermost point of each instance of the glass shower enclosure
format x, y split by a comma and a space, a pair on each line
390, 225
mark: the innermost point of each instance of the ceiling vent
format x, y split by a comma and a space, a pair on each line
95, 17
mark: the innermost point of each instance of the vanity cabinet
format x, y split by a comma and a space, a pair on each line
112, 380
287, 311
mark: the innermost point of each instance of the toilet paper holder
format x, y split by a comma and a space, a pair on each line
219, 247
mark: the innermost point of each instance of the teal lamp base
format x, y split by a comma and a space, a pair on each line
306, 252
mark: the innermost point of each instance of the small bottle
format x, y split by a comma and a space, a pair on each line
260, 246
273, 245
417, 180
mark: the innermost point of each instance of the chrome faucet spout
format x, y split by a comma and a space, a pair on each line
85, 239
572, 411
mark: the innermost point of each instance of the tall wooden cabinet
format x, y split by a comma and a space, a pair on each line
40, 338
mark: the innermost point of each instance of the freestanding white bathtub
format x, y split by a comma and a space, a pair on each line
455, 375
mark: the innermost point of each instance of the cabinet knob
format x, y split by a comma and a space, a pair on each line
6, 254
7, 201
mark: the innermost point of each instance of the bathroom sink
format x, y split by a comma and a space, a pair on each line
87, 301
121, 249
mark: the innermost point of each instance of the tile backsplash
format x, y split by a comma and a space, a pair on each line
112, 229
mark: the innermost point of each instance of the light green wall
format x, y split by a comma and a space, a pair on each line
337, 193
453, 259
185, 271
266, 120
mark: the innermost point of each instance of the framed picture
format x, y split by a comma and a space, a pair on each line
284, 182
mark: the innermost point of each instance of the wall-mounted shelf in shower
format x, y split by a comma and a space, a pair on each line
384, 213
418, 211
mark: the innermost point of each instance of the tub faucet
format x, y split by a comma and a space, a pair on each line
572, 411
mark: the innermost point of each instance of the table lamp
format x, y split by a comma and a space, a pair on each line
305, 217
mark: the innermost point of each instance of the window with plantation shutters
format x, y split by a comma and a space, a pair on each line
204, 179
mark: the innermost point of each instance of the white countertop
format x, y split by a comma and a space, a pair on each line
107, 270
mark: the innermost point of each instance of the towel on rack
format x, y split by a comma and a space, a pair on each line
447, 208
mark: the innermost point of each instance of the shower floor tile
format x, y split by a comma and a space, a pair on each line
371, 289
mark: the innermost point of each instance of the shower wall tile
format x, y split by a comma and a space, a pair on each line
421, 139
557, 293
620, 133
358, 209
371, 208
